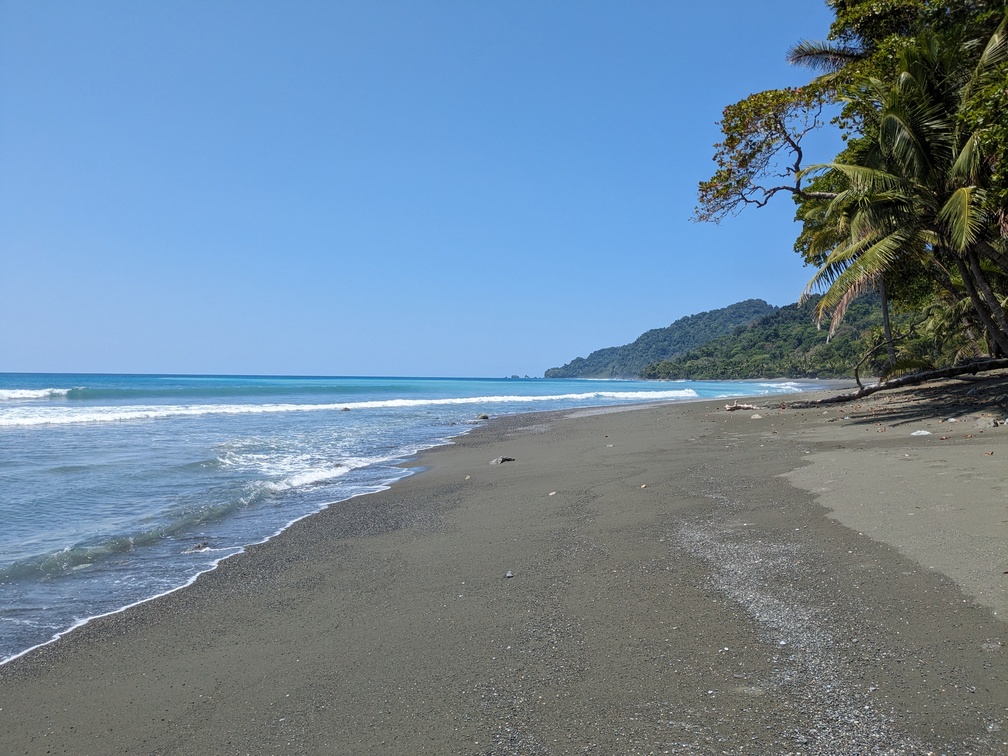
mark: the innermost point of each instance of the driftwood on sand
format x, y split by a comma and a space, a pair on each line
908, 380
737, 406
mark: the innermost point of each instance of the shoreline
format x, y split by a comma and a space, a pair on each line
662, 598
48, 617
409, 465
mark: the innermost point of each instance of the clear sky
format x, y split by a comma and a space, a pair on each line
473, 188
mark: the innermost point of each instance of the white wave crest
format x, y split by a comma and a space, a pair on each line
298, 469
785, 387
19, 395
23, 417
305, 479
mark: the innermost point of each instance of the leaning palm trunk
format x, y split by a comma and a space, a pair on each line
984, 288
997, 335
886, 325
995, 255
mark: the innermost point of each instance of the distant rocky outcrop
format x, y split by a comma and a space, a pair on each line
660, 344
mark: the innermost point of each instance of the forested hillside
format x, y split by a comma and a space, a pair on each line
784, 344
663, 343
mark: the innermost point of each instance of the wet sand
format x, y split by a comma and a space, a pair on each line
683, 579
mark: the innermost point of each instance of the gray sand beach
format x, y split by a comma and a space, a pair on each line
669, 579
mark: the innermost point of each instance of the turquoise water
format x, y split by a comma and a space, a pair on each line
118, 488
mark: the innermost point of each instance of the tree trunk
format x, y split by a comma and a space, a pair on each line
993, 253
989, 297
886, 326
908, 380
998, 337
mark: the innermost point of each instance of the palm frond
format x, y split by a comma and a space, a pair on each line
870, 180
823, 56
963, 218
840, 308
904, 145
967, 163
996, 51
840, 259
853, 272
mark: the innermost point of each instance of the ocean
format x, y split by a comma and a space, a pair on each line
118, 488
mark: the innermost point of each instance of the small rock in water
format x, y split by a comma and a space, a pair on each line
483, 417
501, 460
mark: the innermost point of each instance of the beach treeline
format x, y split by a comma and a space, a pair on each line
914, 208
753, 339
787, 343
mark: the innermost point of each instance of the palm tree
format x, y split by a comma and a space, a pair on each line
913, 188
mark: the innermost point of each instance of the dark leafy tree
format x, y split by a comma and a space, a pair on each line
916, 205
915, 195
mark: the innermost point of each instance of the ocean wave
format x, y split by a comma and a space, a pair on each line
26, 417
305, 479
76, 557
785, 386
194, 393
250, 455
176, 525
20, 395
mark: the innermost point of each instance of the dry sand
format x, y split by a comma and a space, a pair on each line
684, 580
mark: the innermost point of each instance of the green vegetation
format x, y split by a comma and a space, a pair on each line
906, 228
788, 344
913, 211
662, 343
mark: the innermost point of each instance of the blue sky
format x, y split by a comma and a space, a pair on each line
373, 188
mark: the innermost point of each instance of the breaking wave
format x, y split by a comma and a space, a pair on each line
21, 395
31, 416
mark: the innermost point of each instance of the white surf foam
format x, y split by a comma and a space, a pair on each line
31, 416
306, 478
785, 386
20, 395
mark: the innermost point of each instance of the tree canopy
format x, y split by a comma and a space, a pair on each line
915, 207
785, 344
